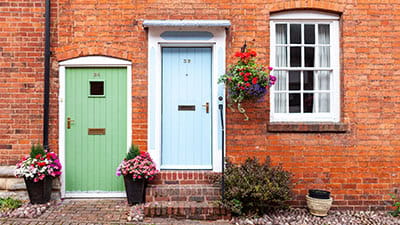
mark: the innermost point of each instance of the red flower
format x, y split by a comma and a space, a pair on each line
246, 79
254, 80
41, 164
248, 74
253, 53
247, 84
241, 73
38, 156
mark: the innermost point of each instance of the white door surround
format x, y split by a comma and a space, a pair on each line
185, 33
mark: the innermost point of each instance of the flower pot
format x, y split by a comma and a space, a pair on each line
321, 194
319, 207
39, 192
135, 190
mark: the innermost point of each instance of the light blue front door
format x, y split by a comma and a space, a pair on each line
186, 108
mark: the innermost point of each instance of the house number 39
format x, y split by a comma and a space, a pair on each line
186, 60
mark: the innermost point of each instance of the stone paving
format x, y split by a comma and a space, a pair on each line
95, 211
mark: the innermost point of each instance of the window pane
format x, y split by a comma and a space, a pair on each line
309, 56
294, 80
324, 56
324, 102
280, 102
281, 77
96, 87
295, 33
281, 57
309, 34
308, 83
324, 80
323, 34
295, 56
281, 33
308, 102
294, 103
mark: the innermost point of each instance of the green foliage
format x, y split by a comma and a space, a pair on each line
36, 150
133, 152
9, 203
256, 188
396, 204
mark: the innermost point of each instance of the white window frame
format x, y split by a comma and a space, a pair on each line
309, 17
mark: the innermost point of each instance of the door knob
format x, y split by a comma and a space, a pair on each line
207, 105
69, 121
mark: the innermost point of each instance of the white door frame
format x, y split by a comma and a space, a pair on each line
155, 43
90, 61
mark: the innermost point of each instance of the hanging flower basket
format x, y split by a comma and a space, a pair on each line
246, 80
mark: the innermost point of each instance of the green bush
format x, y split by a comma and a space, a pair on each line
396, 205
133, 152
36, 150
256, 188
9, 203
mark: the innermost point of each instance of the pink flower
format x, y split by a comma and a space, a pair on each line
270, 68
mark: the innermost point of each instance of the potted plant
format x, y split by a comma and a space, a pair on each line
247, 80
137, 168
38, 170
319, 202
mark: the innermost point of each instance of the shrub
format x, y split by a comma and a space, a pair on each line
133, 152
396, 205
37, 150
9, 203
256, 188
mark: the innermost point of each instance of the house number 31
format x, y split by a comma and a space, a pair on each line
186, 60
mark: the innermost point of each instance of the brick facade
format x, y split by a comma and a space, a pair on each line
359, 164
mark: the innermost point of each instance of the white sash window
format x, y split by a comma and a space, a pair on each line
305, 56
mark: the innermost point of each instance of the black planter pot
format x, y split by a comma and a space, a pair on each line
135, 190
39, 192
320, 194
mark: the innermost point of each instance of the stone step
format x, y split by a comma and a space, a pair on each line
194, 193
186, 210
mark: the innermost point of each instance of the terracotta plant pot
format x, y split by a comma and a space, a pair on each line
135, 190
39, 192
319, 207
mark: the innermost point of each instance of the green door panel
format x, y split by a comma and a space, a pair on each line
92, 157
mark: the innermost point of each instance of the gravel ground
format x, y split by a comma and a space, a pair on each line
303, 217
27, 210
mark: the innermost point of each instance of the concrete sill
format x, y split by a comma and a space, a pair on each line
307, 127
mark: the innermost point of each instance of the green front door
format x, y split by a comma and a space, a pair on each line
96, 128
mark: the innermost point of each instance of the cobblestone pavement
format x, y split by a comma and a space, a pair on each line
94, 211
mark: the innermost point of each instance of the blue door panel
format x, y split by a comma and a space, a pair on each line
186, 124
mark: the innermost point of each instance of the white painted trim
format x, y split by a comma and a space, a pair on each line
334, 116
95, 61
186, 23
89, 61
186, 167
155, 42
303, 15
94, 194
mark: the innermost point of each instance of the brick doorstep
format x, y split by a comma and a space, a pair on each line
186, 210
195, 193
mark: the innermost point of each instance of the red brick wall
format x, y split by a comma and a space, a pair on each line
360, 166
21, 77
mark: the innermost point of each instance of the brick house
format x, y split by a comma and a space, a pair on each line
129, 71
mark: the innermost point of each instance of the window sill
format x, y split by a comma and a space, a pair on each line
307, 127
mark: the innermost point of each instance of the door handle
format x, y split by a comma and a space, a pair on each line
69, 121
207, 105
